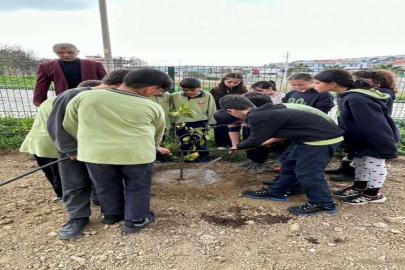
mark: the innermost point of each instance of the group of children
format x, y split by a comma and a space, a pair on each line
313, 136
113, 132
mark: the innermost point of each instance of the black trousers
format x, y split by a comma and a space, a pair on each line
221, 136
123, 189
257, 155
77, 188
51, 173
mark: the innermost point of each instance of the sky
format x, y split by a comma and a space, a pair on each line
210, 32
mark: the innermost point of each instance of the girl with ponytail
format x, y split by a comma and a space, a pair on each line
269, 88
370, 132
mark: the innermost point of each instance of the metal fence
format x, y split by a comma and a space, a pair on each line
17, 82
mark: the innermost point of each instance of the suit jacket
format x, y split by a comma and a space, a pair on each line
52, 72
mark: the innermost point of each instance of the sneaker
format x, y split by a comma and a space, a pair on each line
344, 168
73, 228
309, 209
134, 226
347, 192
342, 178
265, 194
257, 168
112, 219
244, 164
221, 148
363, 199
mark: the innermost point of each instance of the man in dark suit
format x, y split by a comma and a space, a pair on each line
66, 72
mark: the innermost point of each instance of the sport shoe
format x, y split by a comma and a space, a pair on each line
134, 226
347, 192
363, 199
265, 194
73, 228
112, 219
257, 168
342, 178
309, 209
244, 164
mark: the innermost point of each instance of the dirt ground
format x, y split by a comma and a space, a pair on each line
201, 227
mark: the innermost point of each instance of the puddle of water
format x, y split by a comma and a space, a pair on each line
191, 177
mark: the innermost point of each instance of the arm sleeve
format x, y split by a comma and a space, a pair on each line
160, 125
71, 124
260, 130
325, 103
101, 72
211, 110
370, 119
62, 139
41, 86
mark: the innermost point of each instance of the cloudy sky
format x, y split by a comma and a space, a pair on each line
206, 32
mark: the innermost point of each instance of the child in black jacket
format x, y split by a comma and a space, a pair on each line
370, 132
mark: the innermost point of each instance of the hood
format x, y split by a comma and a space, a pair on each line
370, 92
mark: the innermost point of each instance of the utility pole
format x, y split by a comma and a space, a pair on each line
285, 67
106, 35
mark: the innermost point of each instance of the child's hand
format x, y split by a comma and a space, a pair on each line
163, 151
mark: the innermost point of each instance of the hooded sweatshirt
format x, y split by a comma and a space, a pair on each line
369, 129
312, 98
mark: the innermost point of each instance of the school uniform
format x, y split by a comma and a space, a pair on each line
312, 98
314, 138
164, 101
78, 189
39, 143
204, 107
117, 134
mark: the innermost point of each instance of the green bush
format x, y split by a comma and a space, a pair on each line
13, 131
401, 144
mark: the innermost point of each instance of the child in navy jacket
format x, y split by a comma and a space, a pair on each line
305, 94
362, 109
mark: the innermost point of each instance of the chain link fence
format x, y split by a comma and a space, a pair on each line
17, 82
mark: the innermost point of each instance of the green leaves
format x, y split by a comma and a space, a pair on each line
184, 111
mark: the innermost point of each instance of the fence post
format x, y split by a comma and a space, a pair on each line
170, 71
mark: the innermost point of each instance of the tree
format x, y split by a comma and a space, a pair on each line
299, 67
16, 60
395, 69
337, 66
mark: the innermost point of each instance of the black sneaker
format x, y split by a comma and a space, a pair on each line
265, 194
344, 168
112, 219
134, 226
342, 178
309, 209
73, 228
347, 192
364, 199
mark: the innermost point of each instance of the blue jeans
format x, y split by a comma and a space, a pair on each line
123, 189
305, 164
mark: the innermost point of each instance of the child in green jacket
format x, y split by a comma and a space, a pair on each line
203, 104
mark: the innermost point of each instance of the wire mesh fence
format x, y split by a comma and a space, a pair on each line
17, 82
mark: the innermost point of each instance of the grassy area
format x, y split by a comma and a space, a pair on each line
13, 132
17, 82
